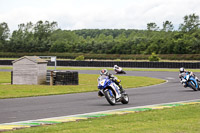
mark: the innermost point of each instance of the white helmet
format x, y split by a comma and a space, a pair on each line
182, 69
115, 66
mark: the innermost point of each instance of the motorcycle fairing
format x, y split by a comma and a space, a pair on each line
106, 83
188, 78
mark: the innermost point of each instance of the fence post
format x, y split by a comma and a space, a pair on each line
51, 78
11, 77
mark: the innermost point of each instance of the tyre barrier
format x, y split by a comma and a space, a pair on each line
48, 77
62, 78
6, 62
129, 64
119, 63
66, 78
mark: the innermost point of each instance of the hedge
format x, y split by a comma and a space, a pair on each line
104, 56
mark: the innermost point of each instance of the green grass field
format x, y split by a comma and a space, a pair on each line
181, 119
87, 83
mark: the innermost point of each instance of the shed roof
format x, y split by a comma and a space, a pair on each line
35, 59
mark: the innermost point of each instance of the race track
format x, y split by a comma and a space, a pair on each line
22, 109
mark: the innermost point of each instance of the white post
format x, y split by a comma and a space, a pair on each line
53, 59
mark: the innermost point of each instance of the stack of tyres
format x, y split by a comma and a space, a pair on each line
48, 75
66, 78
74, 78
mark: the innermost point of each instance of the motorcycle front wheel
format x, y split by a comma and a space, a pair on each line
192, 86
110, 98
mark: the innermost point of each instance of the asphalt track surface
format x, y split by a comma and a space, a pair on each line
22, 109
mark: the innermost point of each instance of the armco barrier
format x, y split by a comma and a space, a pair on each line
128, 64
119, 63
6, 62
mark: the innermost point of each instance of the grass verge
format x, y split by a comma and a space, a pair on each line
181, 119
87, 83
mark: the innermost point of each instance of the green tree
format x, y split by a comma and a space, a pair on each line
63, 41
153, 47
167, 26
42, 34
4, 35
80, 58
32, 37
154, 57
152, 27
191, 23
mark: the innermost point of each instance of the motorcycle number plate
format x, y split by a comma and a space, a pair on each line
101, 82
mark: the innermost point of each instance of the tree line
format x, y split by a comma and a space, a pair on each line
47, 37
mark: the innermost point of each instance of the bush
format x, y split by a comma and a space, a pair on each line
154, 57
80, 58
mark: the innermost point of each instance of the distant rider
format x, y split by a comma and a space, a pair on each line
117, 68
183, 72
113, 78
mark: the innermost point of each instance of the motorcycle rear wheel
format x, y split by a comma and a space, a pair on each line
123, 72
125, 99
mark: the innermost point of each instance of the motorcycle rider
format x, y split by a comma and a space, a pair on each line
117, 68
113, 78
183, 71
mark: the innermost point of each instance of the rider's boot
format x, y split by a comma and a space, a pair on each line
121, 89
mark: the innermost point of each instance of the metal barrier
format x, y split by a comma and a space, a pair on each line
119, 63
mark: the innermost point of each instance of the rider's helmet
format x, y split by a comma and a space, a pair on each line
115, 67
104, 72
182, 69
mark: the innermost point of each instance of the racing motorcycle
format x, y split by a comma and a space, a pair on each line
189, 81
119, 70
111, 91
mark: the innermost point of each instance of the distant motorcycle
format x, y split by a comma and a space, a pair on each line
111, 91
119, 70
189, 81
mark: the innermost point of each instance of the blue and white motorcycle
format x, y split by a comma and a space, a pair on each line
189, 81
111, 91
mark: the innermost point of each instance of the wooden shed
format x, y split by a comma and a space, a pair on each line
29, 70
